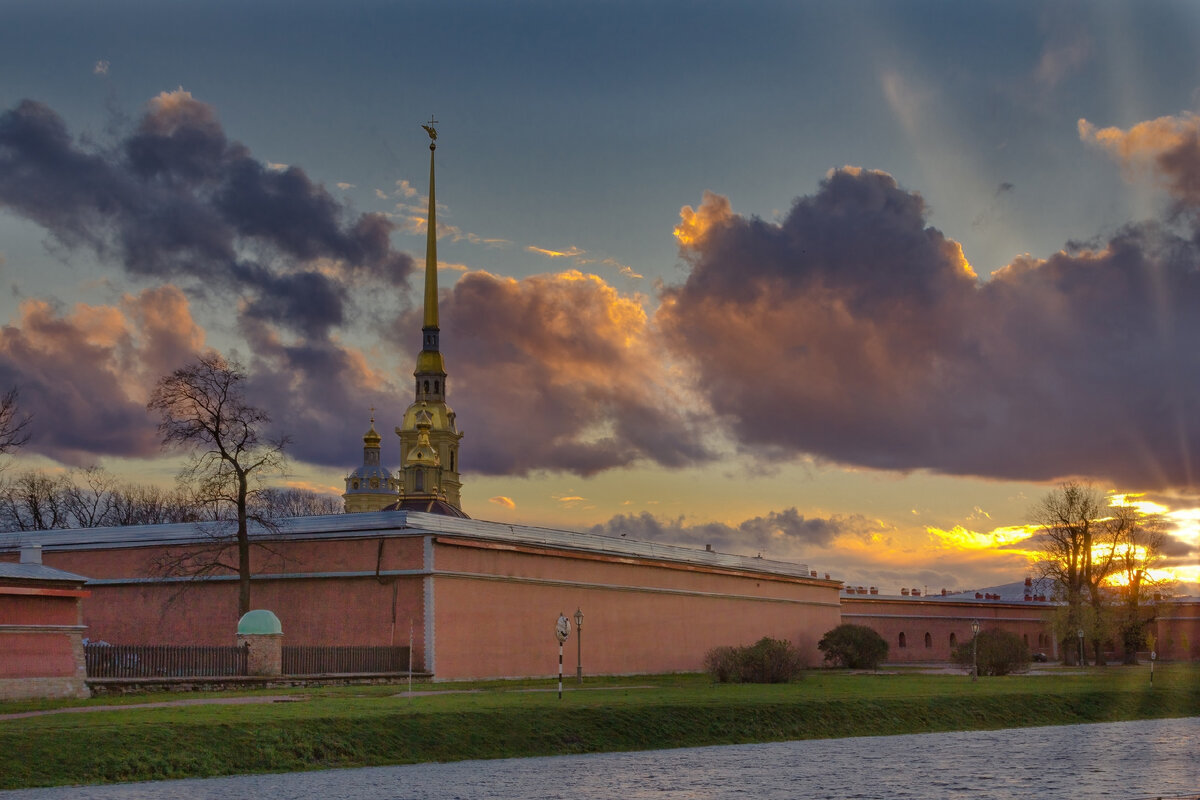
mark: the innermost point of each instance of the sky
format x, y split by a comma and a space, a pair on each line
852, 284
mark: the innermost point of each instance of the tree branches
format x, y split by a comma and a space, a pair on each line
202, 408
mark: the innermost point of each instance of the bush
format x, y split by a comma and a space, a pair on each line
1000, 652
766, 661
853, 646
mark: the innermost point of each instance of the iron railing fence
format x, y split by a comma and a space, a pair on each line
334, 659
163, 661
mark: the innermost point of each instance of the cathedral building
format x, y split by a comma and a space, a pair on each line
429, 437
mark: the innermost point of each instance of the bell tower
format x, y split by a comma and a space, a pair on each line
429, 435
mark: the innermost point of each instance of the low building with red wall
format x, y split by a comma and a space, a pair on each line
1178, 629
41, 630
479, 598
929, 628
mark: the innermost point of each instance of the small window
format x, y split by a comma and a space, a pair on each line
426, 387
1025, 638
929, 640
953, 640
436, 387
903, 641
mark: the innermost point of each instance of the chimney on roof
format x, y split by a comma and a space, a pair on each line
904, 592
979, 595
874, 590
1028, 581
916, 592
943, 592
31, 554
708, 548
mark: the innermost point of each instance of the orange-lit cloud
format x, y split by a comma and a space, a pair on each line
570, 252
852, 330
566, 355
86, 374
695, 223
1168, 146
501, 500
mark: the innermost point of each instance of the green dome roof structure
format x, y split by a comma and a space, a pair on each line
259, 621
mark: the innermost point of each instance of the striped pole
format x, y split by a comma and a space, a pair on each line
560, 670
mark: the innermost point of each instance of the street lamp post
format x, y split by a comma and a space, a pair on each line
1079, 633
975, 650
579, 645
562, 629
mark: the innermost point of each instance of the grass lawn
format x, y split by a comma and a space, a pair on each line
373, 725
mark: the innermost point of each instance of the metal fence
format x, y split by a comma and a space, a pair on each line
162, 661
319, 660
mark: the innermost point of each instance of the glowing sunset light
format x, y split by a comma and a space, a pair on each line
961, 538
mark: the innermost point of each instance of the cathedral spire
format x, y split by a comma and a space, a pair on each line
429, 436
431, 283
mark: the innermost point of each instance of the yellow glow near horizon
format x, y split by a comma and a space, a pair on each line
960, 538
1143, 506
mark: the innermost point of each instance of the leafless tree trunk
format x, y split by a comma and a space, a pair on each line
202, 408
14, 426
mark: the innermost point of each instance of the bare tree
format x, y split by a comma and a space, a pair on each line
1067, 518
34, 501
136, 504
201, 407
14, 426
281, 503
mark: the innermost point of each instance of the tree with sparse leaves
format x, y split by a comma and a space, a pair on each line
1067, 518
202, 408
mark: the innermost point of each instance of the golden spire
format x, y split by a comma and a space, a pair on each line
431, 287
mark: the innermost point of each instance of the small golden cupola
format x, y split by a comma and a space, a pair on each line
371, 487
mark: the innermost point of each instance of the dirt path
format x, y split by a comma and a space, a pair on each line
216, 701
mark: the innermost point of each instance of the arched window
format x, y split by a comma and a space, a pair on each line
929, 640
452, 461
1025, 637
953, 641
436, 387
419, 481
426, 387
903, 641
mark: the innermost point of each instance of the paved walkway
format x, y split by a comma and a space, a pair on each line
199, 701
278, 698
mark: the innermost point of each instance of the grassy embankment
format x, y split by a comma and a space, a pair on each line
366, 726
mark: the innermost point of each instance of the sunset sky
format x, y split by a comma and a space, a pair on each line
852, 284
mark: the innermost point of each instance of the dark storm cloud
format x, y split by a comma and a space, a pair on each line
320, 394
853, 331
779, 533
84, 375
557, 372
176, 199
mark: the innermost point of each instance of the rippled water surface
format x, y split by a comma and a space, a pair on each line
1113, 760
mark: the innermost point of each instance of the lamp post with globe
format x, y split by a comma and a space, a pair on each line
579, 645
975, 650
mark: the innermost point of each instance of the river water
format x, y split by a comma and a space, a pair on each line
1121, 760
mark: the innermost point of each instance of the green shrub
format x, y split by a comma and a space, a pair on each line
766, 661
1000, 652
722, 664
853, 646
